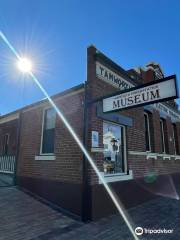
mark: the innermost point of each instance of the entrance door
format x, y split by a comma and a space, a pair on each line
114, 148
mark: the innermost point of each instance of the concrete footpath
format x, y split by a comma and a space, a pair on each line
24, 218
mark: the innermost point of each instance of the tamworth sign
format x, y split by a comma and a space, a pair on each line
161, 90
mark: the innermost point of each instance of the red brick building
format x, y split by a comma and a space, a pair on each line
134, 149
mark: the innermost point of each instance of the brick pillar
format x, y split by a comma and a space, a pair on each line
148, 76
91, 73
156, 132
169, 136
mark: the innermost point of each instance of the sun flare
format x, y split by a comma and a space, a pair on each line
24, 65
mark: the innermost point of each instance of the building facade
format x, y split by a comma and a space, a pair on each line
135, 150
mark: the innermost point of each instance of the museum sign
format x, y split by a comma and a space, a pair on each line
161, 90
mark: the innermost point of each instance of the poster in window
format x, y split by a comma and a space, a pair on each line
95, 139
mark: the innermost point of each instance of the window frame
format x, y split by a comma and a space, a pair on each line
175, 140
42, 133
149, 135
106, 175
3, 145
163, 144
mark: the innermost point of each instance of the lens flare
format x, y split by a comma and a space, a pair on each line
150, 177
117, 203
24, 65
161, 185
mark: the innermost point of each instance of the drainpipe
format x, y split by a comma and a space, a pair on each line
85, 189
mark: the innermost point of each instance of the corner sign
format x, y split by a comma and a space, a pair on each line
161, 90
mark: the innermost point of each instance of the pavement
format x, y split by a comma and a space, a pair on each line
22, 217
6, 180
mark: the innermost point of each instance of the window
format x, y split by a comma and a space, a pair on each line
175, 140
162, 126
114, 148
6, 144
147, 132
48, 133
158, 73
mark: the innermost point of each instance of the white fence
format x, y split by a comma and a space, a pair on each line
7, 163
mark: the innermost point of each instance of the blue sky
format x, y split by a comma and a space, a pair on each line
56, 33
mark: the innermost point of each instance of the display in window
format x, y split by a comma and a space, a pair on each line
113, 140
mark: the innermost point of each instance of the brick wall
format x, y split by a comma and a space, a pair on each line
135, 134
148, 76
60, 180
131, 192
68, 164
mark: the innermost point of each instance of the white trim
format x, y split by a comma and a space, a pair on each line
137, 153
114, 74
42, 132
98, 149
149, 155
166, 157
42, 129
117, 177
45, 157
4, 171
9, 118
124, 142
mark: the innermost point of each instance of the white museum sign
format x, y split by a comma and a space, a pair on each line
161, 90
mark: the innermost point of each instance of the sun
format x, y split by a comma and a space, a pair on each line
24, 65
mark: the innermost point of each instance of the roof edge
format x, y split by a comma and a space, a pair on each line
63, 93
